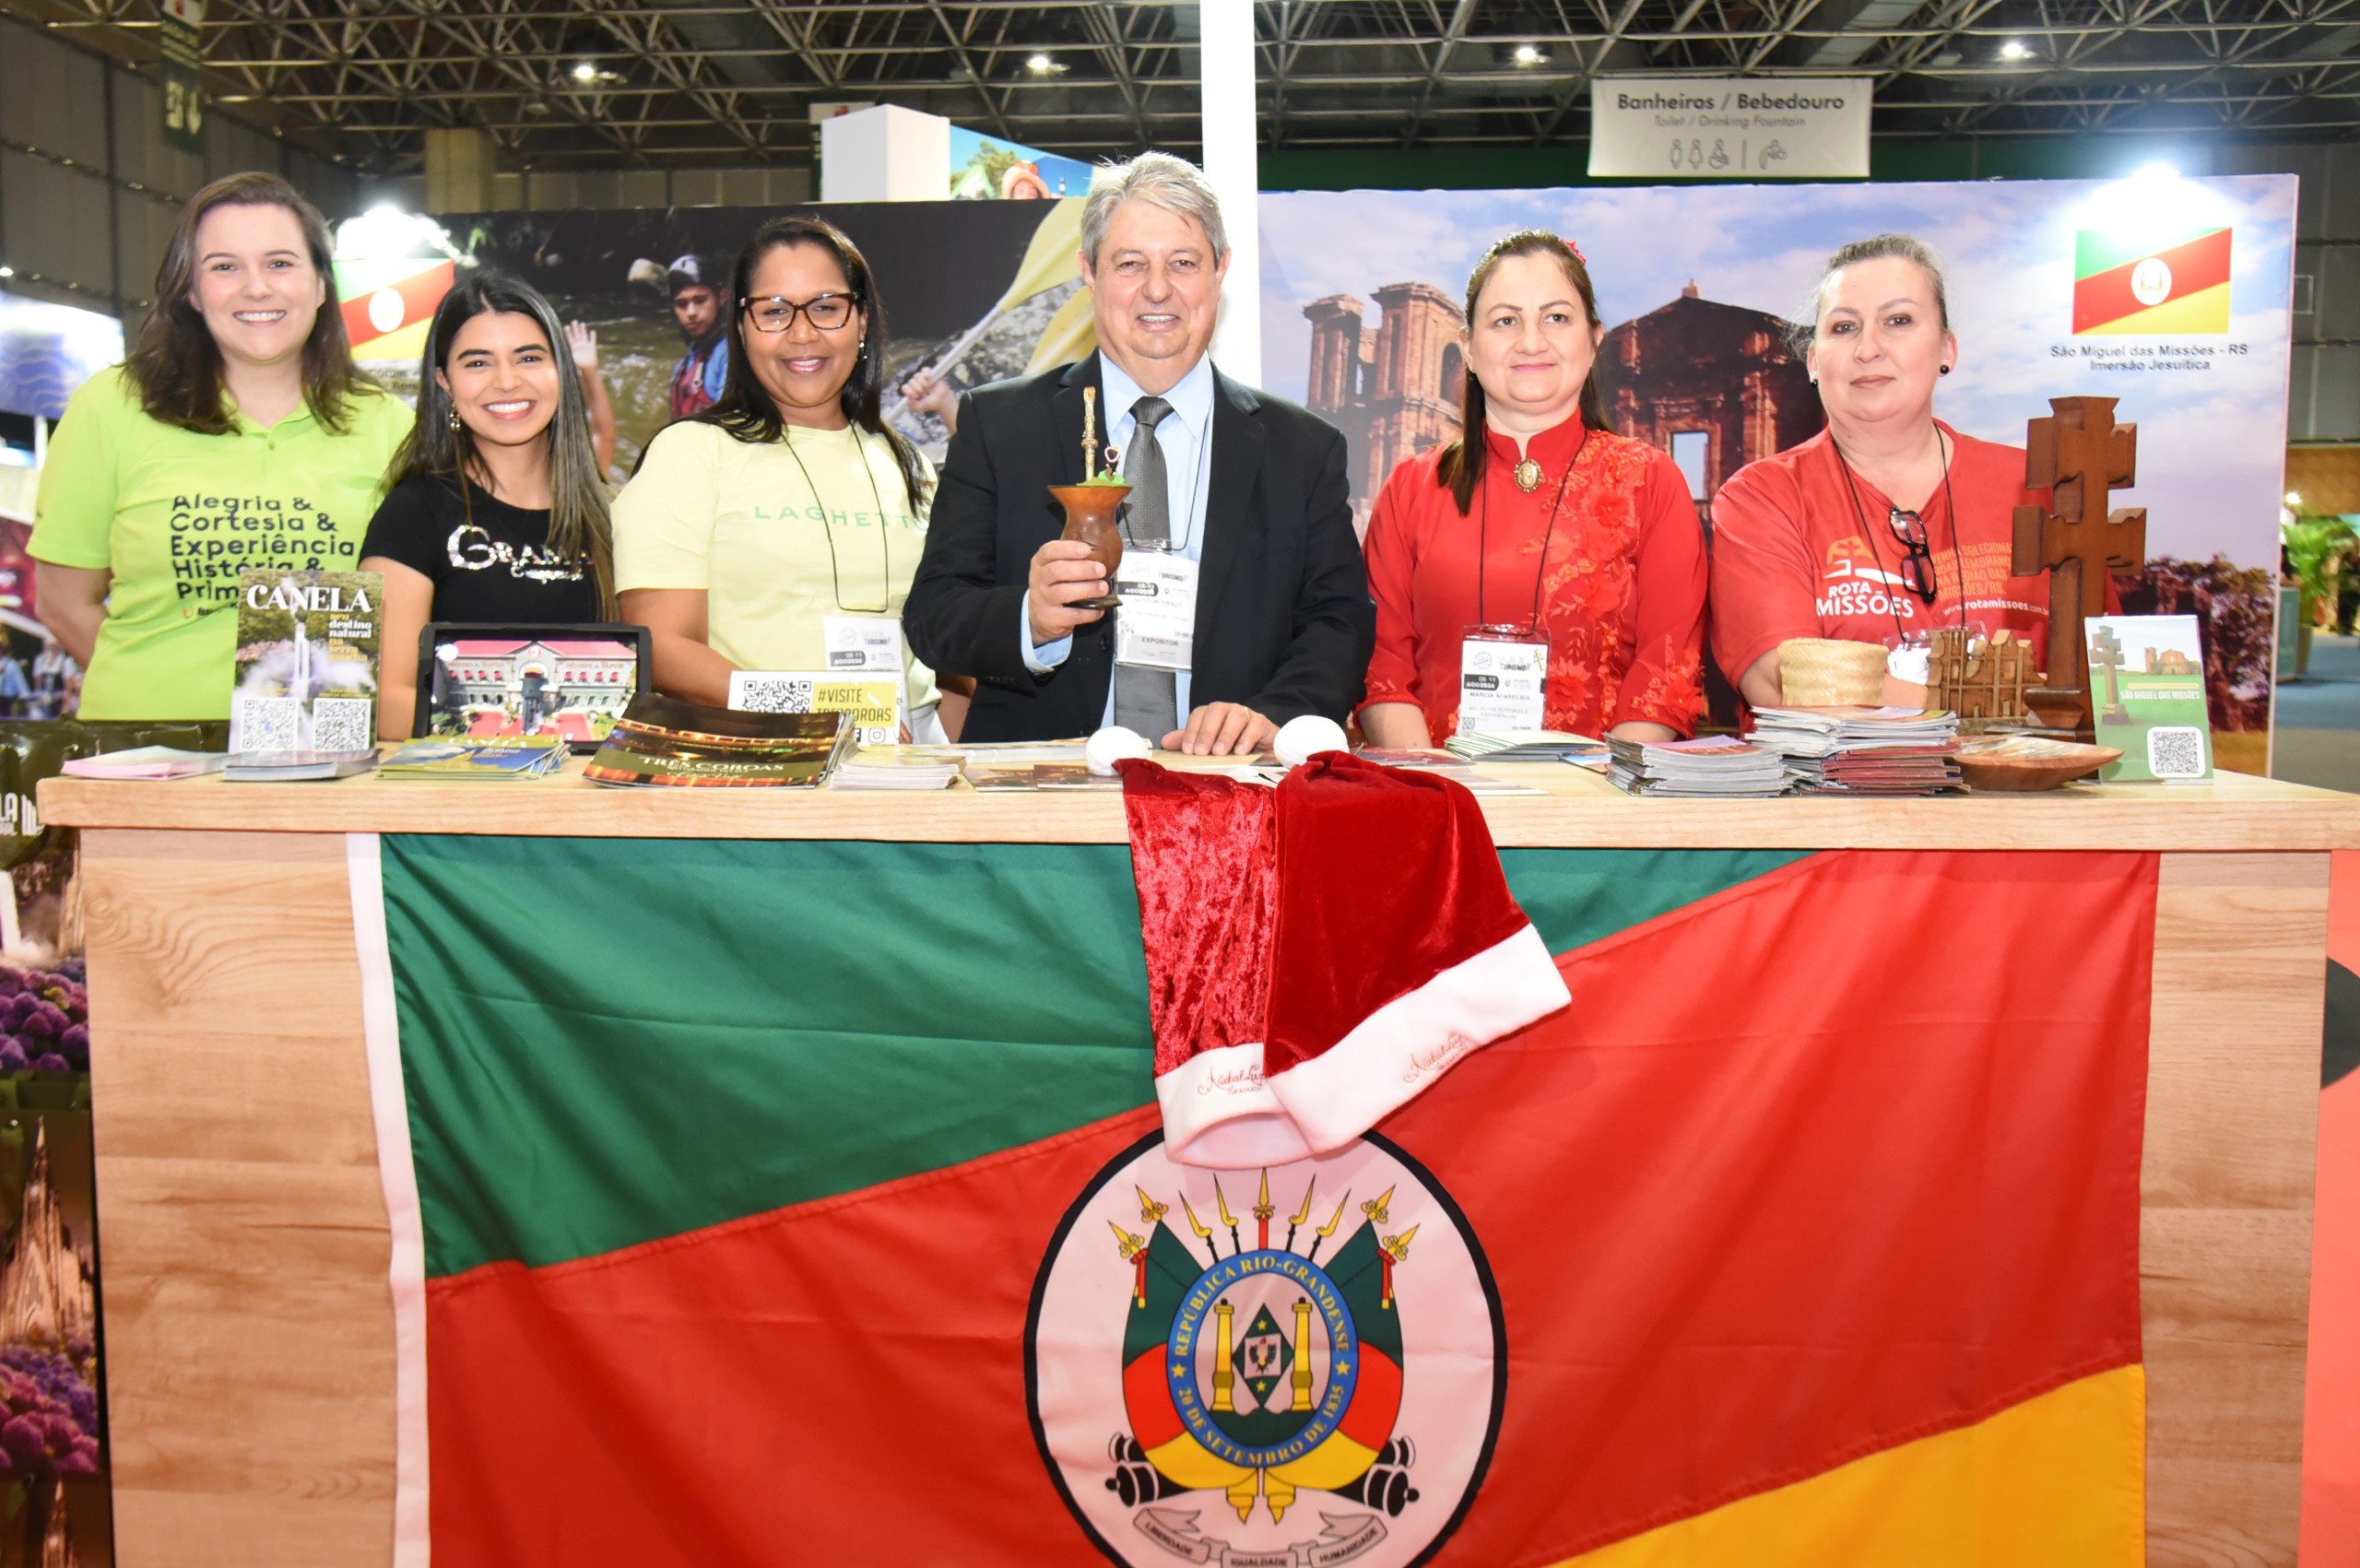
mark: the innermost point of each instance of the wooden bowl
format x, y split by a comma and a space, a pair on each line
2026, 761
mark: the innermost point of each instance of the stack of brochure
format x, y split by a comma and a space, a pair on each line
883, 768
145, 762
295, 767
1864, 751
663, 740
1524, 746
493, 759
1716, 767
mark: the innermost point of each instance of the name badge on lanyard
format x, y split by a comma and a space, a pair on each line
856, 646
1503, 677
1156, 627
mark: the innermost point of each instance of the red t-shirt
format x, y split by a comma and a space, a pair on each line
1798, 553
1622, 593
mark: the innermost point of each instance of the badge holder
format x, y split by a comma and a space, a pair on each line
1502, 678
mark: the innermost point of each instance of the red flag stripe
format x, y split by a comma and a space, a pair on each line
2106, 296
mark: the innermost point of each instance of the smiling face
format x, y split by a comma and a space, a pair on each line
1878, 341
1531, 344
804, 369
256, 285
1155, 288
501, 374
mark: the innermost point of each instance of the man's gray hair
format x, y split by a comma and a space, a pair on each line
1898, 247
1159, 179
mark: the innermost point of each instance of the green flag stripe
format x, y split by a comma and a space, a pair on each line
608, 1042
2096, 251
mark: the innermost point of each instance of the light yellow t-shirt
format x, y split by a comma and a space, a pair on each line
740, 520
175, 515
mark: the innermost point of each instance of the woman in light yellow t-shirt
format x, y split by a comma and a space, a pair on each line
788, 509
237, 435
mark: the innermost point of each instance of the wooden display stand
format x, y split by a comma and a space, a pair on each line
249, 1326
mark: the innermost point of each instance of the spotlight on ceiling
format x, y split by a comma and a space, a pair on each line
585, 72
1042, 66
2015, 49
1530, 55
8, 272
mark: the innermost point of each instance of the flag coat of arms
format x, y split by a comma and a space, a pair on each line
806, 1202
2135, 287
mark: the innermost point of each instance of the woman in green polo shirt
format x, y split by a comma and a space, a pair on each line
237, 433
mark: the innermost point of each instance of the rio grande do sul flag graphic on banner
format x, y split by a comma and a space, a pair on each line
771, 1202
2124, 287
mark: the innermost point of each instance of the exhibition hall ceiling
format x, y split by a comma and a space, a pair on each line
580, 83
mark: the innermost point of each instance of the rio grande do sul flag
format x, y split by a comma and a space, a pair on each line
804, 1202
2138, 288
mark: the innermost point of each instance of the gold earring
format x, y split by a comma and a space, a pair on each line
455, 421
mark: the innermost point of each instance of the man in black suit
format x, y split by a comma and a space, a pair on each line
1237, 497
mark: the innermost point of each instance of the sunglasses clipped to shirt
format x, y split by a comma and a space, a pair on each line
776, 312
1918, 566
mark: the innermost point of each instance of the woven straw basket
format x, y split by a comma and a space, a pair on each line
1814, 672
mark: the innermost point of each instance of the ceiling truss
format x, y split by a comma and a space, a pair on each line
599, 83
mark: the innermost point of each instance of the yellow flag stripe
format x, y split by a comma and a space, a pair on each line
2207, 309
2057, 1481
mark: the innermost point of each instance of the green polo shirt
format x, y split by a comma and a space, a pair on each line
176, 516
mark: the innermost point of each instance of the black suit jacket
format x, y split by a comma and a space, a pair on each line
1284, 621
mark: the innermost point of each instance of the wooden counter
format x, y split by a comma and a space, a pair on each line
249, 1327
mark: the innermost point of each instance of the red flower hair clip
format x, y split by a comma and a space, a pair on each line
1577, 252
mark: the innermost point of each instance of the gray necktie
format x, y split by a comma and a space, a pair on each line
1144, 699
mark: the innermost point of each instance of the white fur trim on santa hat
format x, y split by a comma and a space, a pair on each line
1397, 1052
1218, 1112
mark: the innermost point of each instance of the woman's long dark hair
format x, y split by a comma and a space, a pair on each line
745, 409
1461, 466
175, 363
440, 446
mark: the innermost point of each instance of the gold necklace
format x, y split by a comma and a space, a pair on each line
1526, 475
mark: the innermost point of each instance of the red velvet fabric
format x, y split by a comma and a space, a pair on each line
1348, 943
1204, 855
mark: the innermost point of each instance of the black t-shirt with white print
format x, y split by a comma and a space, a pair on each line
488, 560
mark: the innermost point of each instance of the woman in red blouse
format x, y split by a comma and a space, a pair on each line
1542, 572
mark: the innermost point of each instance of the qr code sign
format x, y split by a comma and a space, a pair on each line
269, 724
2176, 751
343, 723
771, 694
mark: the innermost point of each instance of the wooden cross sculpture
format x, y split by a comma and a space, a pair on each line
2105, 652
2079, 452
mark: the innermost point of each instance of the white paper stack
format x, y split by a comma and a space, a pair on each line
1864, 751
1524, 746
892, 769
1717, 767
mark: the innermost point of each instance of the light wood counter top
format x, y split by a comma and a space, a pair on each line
2232, 812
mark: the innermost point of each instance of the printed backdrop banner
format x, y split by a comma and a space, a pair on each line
698, 1249
999, 310
2171, 295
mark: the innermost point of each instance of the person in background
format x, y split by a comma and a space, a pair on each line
1538, 530
53, 671
237, 433
788, 511
495, 509
1240, 499
15, 689
702, 374
583, 344
1888, 524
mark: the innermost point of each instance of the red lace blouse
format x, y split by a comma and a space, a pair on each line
1622, 590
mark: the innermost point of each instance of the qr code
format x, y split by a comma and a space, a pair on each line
343, 723
773, 694
270, 723
2176, 751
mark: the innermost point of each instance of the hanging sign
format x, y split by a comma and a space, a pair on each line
177, 43
1730, 127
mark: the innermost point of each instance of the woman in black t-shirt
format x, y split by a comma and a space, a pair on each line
494, 510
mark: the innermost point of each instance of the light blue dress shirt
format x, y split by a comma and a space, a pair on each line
1186, 437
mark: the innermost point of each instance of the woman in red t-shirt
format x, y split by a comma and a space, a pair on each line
1888, 523
1541, 572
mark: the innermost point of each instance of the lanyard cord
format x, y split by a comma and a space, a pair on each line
1197, 469
1540, 572
884, 525
1949, 504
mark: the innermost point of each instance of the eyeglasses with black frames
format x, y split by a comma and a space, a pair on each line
776, 312
1918, 566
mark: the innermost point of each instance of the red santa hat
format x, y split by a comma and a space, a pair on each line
1364, 906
